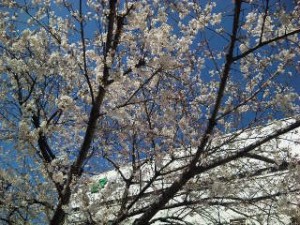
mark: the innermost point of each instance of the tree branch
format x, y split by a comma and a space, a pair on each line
189, 172
244, 151
264, 43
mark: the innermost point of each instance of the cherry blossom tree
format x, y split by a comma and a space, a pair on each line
88, 86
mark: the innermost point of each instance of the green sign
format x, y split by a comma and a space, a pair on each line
96, 187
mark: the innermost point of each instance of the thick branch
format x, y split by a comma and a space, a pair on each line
59, 214
261, 158
45, 149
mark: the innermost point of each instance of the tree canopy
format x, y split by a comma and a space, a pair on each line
88, 86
